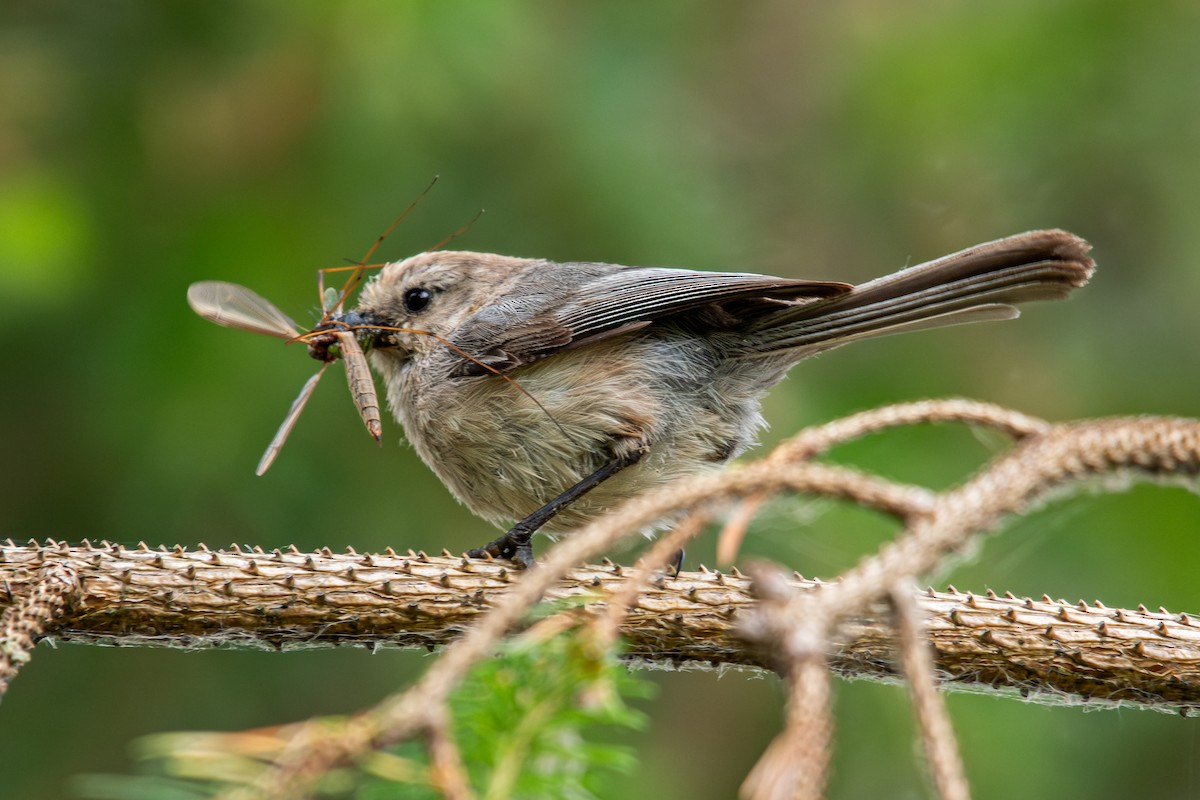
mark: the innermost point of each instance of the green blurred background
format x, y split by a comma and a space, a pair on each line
146, 146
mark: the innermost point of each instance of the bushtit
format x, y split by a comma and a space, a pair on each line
549, 393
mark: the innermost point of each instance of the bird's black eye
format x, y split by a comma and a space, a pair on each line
416, 299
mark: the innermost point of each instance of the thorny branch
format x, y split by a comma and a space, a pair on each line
1039, 467
803, 629
191, 599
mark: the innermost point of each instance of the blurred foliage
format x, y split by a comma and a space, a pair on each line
145, 146
529, 724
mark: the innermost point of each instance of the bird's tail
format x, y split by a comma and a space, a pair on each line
981, 283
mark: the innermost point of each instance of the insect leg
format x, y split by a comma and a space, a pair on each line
289, 422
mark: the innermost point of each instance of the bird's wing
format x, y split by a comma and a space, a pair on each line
587, 304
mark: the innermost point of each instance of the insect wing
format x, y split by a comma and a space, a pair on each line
235, 306
289, 422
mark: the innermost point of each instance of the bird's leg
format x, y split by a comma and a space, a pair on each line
515, 543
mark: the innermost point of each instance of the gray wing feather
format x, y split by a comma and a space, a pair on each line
639, 294
610, 300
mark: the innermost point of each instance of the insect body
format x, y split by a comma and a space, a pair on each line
235, 306
362, 385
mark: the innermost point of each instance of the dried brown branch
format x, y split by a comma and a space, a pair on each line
796, 764
1037, 469
446, 771
929, 707
1050, 650
31, 611
812, 442
1032, 473
403, 715
189, 599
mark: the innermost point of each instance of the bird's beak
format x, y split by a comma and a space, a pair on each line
359, 321
364, 326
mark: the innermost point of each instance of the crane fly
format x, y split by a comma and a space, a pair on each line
235, 306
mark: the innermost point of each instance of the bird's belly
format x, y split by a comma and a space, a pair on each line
505, 449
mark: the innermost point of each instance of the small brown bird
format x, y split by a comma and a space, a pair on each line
549, 393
